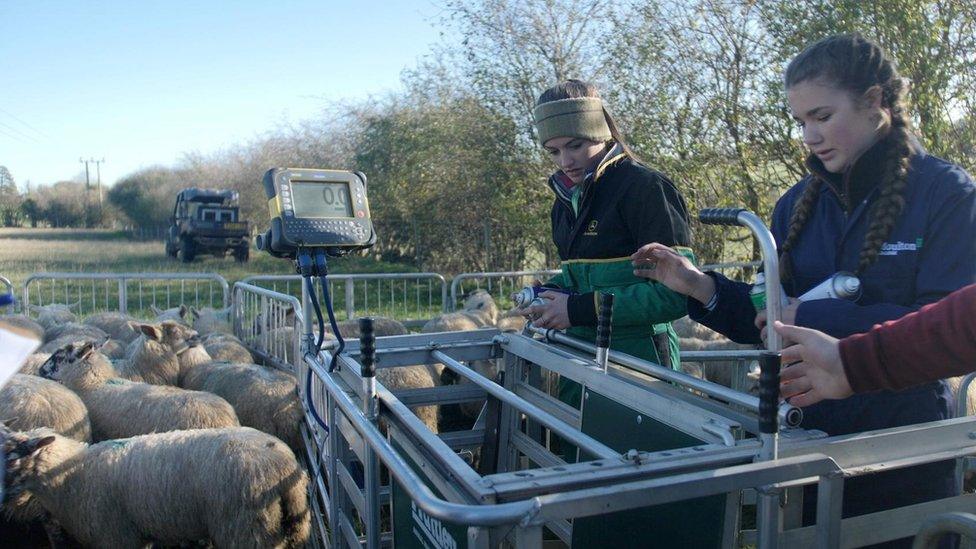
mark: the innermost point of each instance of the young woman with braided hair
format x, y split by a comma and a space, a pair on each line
875, 203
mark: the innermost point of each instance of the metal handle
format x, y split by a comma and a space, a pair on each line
769, 364
604, 320
604, 324
367, 347
720, 216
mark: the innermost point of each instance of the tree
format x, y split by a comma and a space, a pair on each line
9, 199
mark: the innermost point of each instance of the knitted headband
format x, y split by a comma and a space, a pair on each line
576, 117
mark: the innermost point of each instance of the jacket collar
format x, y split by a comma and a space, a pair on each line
562, 185
864, 175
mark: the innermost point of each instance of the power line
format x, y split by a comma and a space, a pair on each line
11, 115
31, 137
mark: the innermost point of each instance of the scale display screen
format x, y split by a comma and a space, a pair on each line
321, 200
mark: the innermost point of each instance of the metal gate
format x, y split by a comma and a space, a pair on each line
131, 293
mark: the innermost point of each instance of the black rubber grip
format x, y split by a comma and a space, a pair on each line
604, 320
367, 346
720, 216
769, 392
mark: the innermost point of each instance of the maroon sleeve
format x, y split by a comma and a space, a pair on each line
935, 342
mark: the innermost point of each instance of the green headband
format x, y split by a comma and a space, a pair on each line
577, 117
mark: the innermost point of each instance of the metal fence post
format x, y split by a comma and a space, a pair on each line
123, 297
350, 299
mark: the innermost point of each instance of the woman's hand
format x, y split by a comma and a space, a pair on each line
553, 313
817, 371
662, 264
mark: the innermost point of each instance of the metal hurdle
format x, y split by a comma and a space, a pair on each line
131, 293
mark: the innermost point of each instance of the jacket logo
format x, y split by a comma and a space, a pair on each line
894, 248
591, 228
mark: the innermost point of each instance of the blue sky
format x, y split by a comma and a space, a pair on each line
142, 82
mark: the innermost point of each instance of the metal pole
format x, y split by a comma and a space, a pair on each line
367, 346
788, 414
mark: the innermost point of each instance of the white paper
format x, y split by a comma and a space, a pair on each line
14, 349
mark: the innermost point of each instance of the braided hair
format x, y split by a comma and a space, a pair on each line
853, 63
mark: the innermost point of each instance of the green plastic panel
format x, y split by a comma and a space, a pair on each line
693, 523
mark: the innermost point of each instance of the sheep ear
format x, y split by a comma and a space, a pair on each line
74, 306
155, 310
196, 313
33, 446
152, 331
183, 311
84, 350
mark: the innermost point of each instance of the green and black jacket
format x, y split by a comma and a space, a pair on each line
620, 206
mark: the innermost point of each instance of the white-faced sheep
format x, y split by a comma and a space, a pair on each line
152, 361
208, 321
479, 311
174, 336
25, 324
175, 314
29, 402
120, 408
233, 487
73, 329
263, 398
118, 326
226, 347
51, 315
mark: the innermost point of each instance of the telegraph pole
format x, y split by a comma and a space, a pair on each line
98, 172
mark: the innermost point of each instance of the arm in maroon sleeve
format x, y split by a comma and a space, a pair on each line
937, 341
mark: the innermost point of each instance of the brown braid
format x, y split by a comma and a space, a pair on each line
853, 63
801, 213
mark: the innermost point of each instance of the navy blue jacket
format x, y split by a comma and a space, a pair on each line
930, 253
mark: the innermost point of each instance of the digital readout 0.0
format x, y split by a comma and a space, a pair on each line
317, 199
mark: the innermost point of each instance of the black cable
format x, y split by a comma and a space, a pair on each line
332, 321
318, 346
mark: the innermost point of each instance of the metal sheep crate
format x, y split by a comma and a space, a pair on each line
522, 485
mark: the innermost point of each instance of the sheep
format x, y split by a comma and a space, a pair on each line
175, 314
121, 408
32, 365
382, 327
51, 315
152, 361
207, 321
28, 402
116, 325
955, 383
227, 347
409, 377
689, 329
511, 322
174, 336
111, 348
234, 487
478, 311
73, 329
723, 372
263, 398
25, 323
